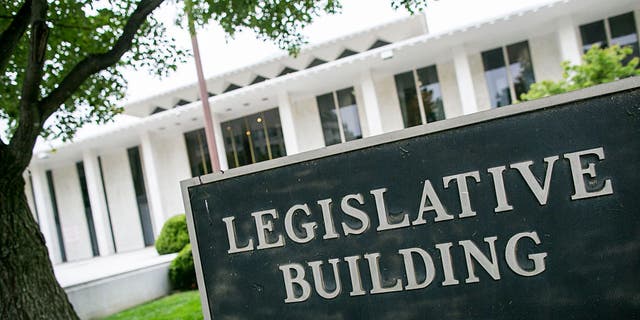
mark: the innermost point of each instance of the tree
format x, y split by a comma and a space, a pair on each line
599, 65
60, 67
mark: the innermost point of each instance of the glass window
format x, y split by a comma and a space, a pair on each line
198, 152
406, 88
56, 215
87, 208
349, 114
520, 67
339, 116
495, 74
254, 138
431, 95
141, 195
504, 84
329, 119
623, 33
620, 30
426, 109
593, 33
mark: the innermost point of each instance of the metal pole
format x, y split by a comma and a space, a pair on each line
204, 94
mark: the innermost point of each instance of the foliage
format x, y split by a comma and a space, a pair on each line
182, 272
173, 236
76, 30
599, 65
178, 306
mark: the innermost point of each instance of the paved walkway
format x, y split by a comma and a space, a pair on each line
79, 272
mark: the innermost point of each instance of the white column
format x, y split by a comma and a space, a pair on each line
465, 80
371, 105
287, 122
568, 41
151, 182
45, 213
98, 203
222, 155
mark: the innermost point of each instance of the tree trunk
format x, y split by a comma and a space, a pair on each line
28, 288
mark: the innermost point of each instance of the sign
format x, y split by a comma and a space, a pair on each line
528, 211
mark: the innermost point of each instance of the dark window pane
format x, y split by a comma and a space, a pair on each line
406, 88
157, 110
104, 192
258, 79
346, 53
329, 119
87, 208
624, 33
254, 138
593, 33
379, 43
236, 143
315, 62
431, 95
56, 215
495, 74
141, 195
521, 67
259, 137
231, 87
198, 152
271, 123
349, 114
286, 70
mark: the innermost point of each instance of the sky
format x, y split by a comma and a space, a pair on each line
220, 54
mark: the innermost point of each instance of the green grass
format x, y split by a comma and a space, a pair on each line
178, 306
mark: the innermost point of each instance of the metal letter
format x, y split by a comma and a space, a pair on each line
537, 258
578, 173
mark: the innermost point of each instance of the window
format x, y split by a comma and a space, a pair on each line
198, 152
141, 195
339, 116
56, 215
620, 30
254, 138
505, 85
87, 208
427, 108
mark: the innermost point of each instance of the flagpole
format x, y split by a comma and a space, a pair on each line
204, 93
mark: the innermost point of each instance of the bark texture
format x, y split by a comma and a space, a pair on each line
28, 288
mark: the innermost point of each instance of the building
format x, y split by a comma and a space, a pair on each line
111, 192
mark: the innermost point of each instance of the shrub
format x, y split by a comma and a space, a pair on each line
182, 272
599, 65
173, 236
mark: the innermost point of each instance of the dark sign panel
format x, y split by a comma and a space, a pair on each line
531, 211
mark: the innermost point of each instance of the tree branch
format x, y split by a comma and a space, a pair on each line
97, 62
30, 123
11, 36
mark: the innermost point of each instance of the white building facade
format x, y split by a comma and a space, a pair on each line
111, 192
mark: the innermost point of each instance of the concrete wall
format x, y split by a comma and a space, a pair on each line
389, 104
28, 192
362, 113
172, 163
100, 298
75, 232
121, 198
307, 124
449, 88
546, 58
479, 82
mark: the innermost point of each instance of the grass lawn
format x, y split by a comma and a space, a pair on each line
182, 305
